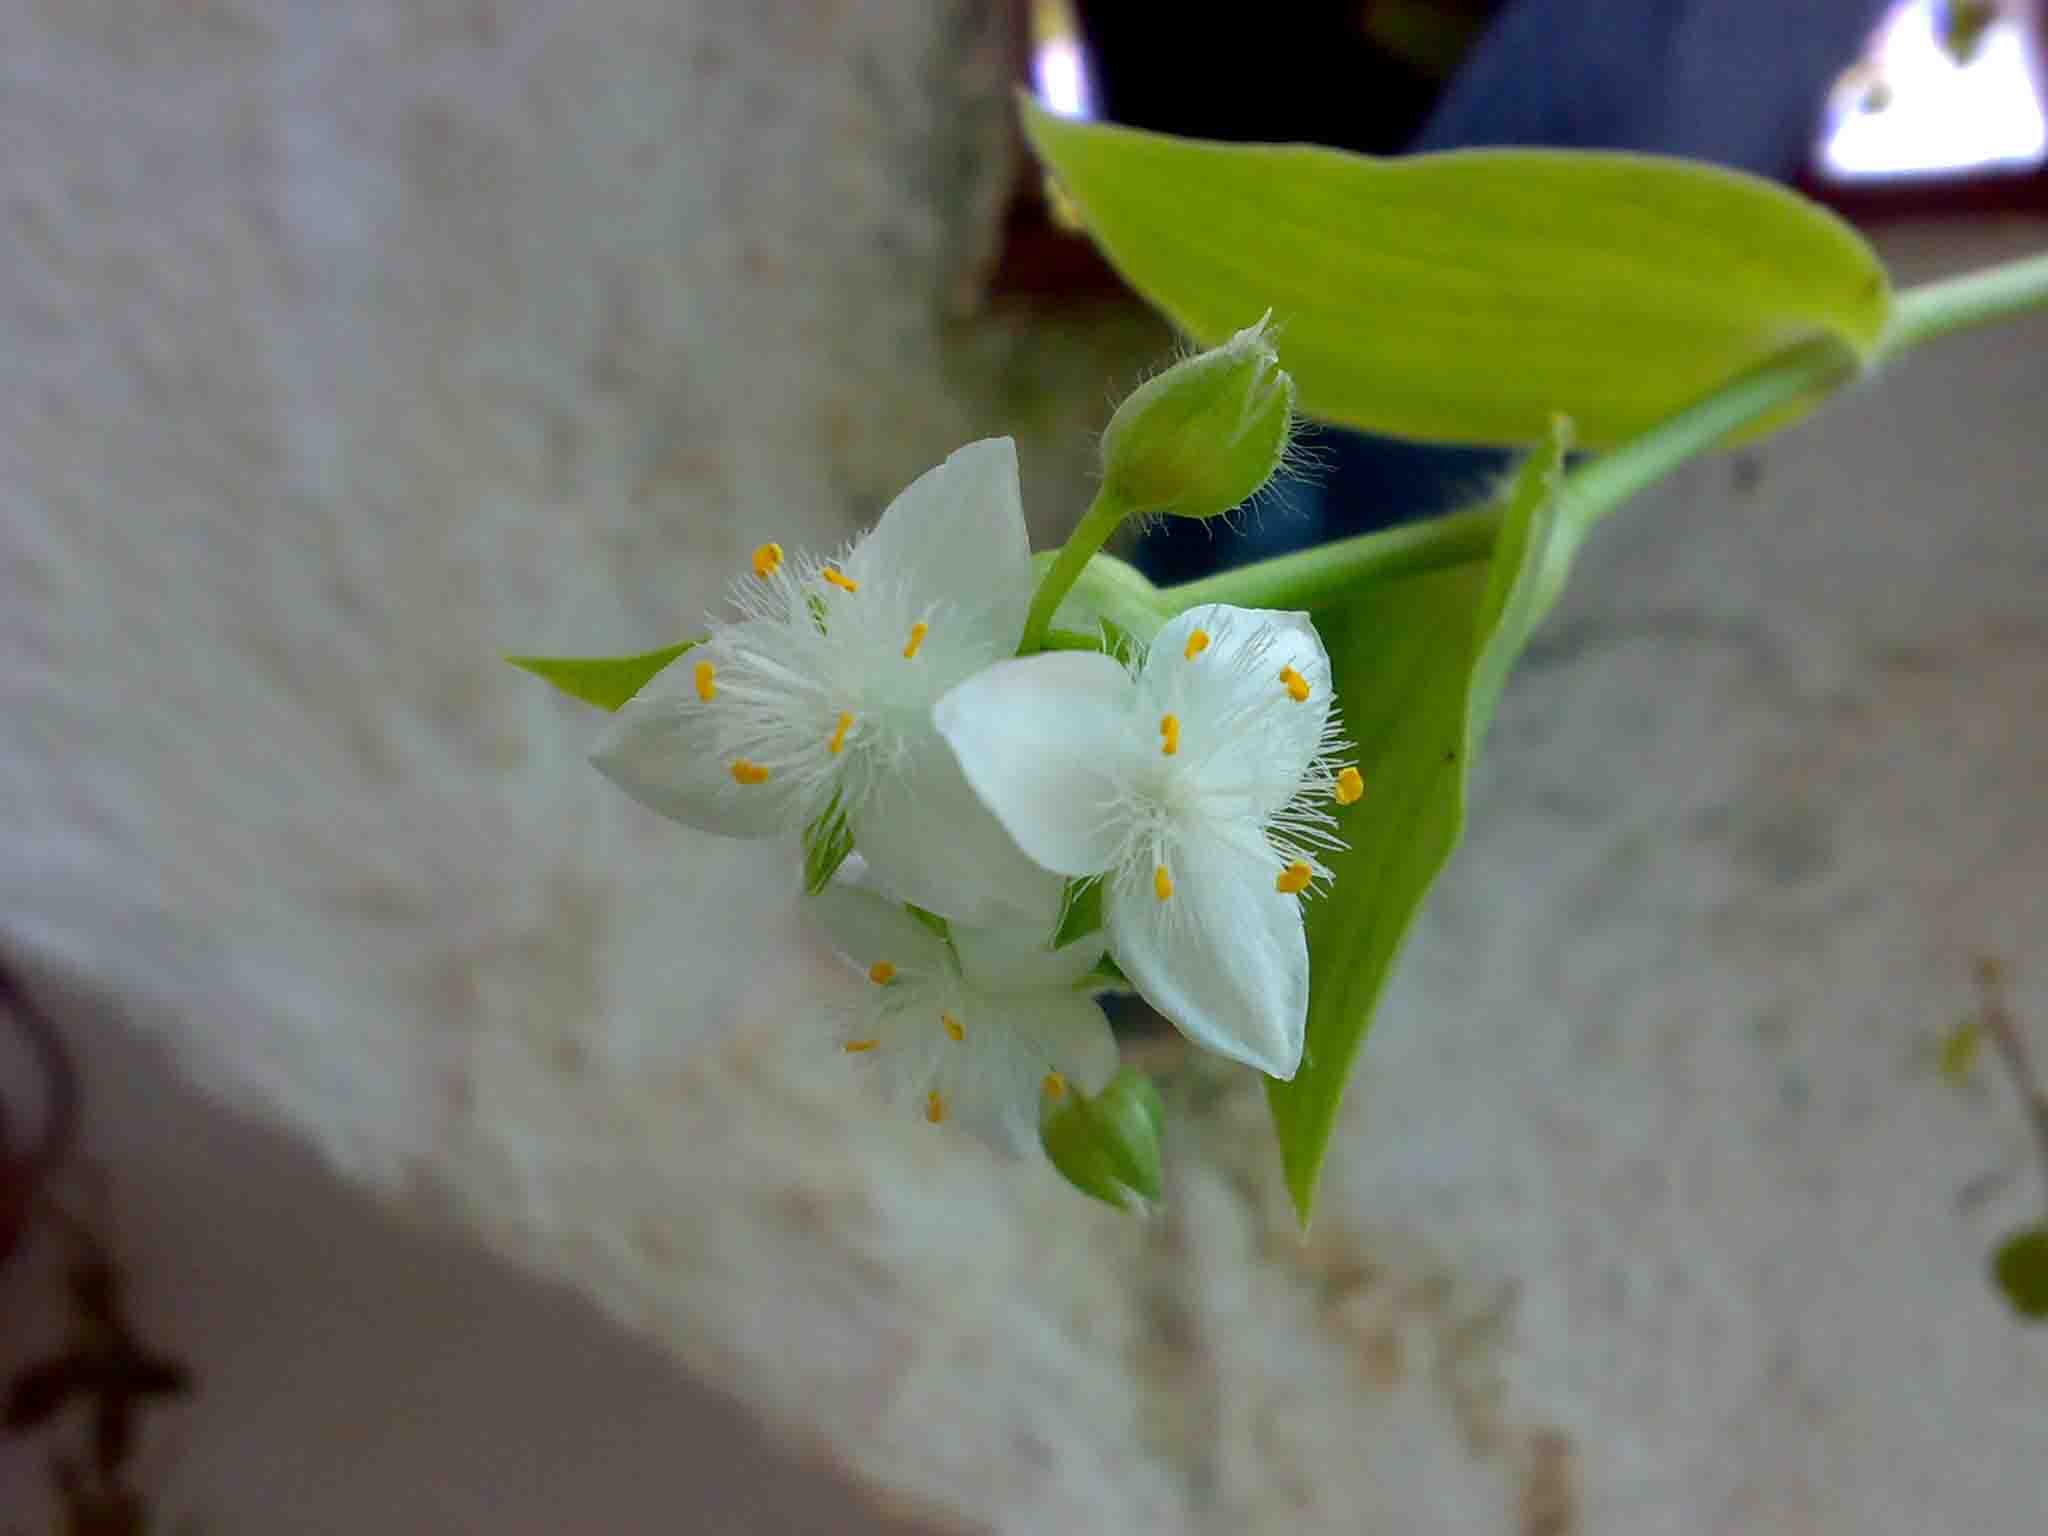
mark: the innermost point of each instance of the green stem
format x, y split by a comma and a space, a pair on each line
1312, 577
1102, 519
1956, 303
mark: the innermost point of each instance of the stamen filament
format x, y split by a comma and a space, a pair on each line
917, 633
746, 772
767, 560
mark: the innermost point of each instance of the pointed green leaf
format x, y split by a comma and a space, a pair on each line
1464, 297
606, 681
1418, 665
2020, 1268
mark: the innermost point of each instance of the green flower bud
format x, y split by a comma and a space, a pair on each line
1108, 1146
1205, 435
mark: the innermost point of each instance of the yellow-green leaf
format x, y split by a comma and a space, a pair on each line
1418, 663
606, 681
1464, 297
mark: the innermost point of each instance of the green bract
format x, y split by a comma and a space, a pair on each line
606, 681
1464, 297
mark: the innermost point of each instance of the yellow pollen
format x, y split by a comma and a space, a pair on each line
745, 772
838, 742
855, 1047
707, 690
881, 973
1294, 878
917, 633
1350, 786
1053, 1086
954, 1028
767, 560
934, 1107
1169, 731
837, 578
1162, 883
1198, 642
1297, 685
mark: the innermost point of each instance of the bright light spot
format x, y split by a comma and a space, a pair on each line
1909, 109
1061, 75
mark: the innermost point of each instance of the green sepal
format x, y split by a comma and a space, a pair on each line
1108, 1146
606, 681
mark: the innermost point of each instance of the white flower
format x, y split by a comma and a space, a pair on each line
821, 695
1196, 786
976, 1031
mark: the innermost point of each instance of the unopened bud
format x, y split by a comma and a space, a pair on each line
1205, 435
1108, 1146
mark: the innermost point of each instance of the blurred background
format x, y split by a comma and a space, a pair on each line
401, 1131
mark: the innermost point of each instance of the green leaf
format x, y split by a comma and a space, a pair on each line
1418, 665
1464, 297
606, 681
2020, 1269
827, 842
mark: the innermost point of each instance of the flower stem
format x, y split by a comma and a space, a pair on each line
1311, 578
1102, 519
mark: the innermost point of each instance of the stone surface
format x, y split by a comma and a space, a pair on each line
358, 344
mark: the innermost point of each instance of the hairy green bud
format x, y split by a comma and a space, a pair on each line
1204, 436
1108, 1146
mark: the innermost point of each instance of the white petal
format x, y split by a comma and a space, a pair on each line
930, 840
1017, 959
956, 534
662, 749
1042, 739
1239, 725
993, 1079
868, 927
1223, 957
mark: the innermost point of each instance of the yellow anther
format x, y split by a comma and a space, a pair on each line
1198, 642
855, 1047
1053, 1086
1350, 786
1297, 685
834, 577
745, 772
767, 560
837, 744
707, 690
1294, 878
934, 1107
881, 973
1169, 733
917, 633
1162, 883
954, 1028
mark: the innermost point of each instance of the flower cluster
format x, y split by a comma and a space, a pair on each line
985, 792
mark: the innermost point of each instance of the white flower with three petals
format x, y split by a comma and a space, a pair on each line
977, 1029
819, 697
1196, 785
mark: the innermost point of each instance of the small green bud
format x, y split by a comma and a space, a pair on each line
1205, 435
1108, 1146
